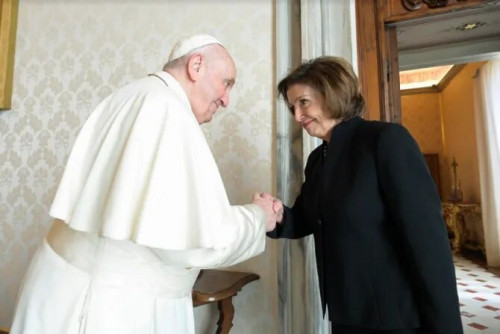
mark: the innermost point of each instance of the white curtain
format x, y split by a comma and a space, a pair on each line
305, 29
487, 101
327, 28
289, 161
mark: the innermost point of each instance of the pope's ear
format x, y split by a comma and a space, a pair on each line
194, 66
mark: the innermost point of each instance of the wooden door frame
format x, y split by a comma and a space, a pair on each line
376, 36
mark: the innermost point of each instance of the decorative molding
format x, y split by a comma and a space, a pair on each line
413, 5
436, 3
8, 26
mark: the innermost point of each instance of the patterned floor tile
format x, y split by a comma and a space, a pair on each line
478, 326
491, 308
479, 294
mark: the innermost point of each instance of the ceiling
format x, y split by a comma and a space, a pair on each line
424, 77
442, 39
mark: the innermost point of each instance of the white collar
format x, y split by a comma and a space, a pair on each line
173, 84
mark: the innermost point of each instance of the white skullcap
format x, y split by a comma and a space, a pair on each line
188, 44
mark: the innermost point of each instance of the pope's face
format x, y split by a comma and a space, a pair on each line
214, 86
308, 107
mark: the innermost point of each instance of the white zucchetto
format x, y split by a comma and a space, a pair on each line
188, 44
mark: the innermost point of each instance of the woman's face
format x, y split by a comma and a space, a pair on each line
308, 108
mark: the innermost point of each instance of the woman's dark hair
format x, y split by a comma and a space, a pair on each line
335, 79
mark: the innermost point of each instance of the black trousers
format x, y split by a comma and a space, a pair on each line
340, 329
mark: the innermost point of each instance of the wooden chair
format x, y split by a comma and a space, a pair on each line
220, 286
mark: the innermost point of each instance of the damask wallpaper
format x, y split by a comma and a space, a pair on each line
70, 55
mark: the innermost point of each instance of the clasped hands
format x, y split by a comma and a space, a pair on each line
273, 207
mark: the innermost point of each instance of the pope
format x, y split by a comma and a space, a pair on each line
141, 208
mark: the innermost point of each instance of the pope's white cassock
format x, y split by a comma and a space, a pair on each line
140, 209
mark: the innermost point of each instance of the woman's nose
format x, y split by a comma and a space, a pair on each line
297, 115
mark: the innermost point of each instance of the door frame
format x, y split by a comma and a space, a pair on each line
376, 34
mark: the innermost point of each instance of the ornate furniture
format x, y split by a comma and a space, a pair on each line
220, 286
465, 222
473, 233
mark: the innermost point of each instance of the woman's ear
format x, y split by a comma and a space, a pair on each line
194, 66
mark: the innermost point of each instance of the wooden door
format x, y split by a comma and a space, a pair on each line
376, 22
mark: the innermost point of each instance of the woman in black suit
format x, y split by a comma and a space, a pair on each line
382, 251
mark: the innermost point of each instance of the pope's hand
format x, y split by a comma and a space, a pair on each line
277, 206
267, 205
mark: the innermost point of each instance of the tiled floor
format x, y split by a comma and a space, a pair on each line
479, 294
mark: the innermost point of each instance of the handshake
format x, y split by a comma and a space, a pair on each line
273, 208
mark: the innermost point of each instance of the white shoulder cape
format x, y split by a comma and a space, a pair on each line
141, 169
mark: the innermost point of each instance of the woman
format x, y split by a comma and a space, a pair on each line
382, 251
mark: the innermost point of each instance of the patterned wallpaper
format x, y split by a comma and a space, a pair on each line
71, 54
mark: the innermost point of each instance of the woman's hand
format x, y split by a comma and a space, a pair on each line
278, 208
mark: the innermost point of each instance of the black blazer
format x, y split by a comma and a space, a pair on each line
382, 249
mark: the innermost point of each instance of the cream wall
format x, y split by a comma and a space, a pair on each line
71, 54
457, 105
422, 117
444, 123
